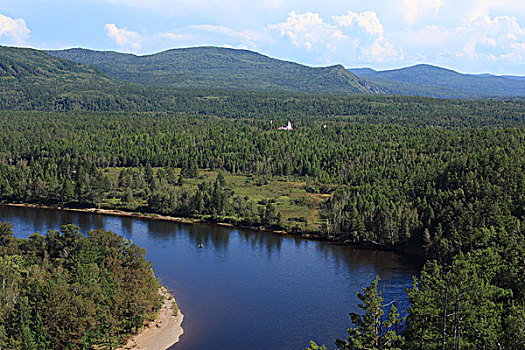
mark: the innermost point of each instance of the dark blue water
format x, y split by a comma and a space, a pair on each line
245, 289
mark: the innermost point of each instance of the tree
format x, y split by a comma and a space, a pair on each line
7, 240
189, 169
458, 305
314, 346
220, 179
371, 330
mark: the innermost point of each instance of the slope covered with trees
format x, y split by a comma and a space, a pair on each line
215, 67
432, 81
33, 80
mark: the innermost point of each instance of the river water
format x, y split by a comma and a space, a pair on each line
245, 289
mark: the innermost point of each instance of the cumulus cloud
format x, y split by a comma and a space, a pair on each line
415, 9
16, 29
241, 38
483, 8
367, 20
358, 36
473, 45
499, 38
201, 34
123, 37
308, 29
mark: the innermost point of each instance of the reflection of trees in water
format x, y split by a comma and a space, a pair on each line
261, 240
127, 226
40, 218
388, 265
85, 221
161, 229
208, 235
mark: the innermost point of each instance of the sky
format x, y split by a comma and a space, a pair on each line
470, 36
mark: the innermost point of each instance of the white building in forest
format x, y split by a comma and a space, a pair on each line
287, 127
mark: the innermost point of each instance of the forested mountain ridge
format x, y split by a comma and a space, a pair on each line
101, 78
432, 81
214, 67
33, 80
44, 82
25, 65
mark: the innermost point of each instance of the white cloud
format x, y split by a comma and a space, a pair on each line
484, 8
16, 29
487, 43
192, 35
171, 36
416, 9
350, 37
367, 20
308, 29
380, 51
247, 36
123, 37
499, 38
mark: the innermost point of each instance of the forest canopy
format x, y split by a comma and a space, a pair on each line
67, 290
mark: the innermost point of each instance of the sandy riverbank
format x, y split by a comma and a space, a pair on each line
113, 212
116, 212
161, 333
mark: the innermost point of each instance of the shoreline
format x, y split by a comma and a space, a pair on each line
163, 332
152, 216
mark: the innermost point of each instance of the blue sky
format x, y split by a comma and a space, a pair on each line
471, 36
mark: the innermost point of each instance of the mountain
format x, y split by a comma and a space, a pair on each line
34, 80
214, 67
363, 72
432, 81
515, 77
21, 65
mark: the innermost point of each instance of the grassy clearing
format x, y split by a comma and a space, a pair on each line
288, 194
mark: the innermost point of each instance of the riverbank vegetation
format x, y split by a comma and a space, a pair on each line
442, 178
431, 188
66, 290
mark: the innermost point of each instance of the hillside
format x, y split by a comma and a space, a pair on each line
21, 66
34, 80
214, 67
427, 80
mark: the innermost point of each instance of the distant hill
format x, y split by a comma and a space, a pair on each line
432, 81
32, 79
21, 65
513, 77
214, 67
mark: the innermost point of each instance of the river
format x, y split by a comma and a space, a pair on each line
245, 289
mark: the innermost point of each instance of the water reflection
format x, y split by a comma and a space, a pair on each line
127, 226
262, 240
245, 287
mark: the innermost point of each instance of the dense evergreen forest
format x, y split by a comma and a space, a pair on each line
66, 290
446, 181
442, 178
209, 67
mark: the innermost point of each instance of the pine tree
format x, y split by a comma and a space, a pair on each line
371, 330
